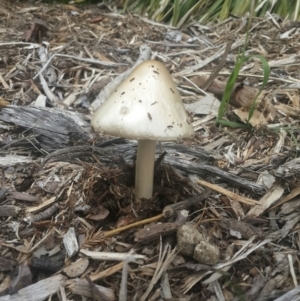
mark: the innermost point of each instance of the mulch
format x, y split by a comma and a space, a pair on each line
223, 223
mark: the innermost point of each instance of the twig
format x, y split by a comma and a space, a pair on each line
170, 210
96, 291
43, 215
123, 286
108, 272
47, 91
33, 45
218, 291
228, 193
87, 60
153, 231
160, 268
292, 270
130, 257
139, 223
86, 288
172, 44
290, 295
215, 73
215, 56
165, 286
291, 80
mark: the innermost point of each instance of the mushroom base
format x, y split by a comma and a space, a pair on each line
145, 169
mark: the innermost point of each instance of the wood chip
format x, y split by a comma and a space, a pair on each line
70, 242
38, 291
267, 200
77, 268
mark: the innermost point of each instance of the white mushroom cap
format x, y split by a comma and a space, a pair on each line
146, 105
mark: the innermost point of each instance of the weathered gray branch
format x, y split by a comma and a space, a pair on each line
53, 128
65, 134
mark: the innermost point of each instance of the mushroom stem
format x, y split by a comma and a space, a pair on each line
144, 172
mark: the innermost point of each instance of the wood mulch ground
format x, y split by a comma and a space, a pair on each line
223, 223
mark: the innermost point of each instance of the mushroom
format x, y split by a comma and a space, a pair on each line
145, 107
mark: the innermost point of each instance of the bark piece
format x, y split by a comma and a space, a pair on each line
38, 291
295, 192
200, 169
37, 31
77, 268
43, 215
9, 210
152, 232
21, 280
54, 128
170, 210
83, 152
82, 287
110, 256
22, 196
13, 160
240, 228
290, 207
267, 200
284, 231
40, 101
96, 293
41, 208
3, 192
7, 264
290, 295
70, 242
47, 264
4, 285
288, 169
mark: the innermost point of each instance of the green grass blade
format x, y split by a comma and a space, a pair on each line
176, 12
159, 14
296, 11
239, 8
191, 12
224, 13
212, 11
229, 87
266, 69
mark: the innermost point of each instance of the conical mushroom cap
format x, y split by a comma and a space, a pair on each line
146, 105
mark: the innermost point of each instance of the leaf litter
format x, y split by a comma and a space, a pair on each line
70, 225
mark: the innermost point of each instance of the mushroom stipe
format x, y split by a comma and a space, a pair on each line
149, 109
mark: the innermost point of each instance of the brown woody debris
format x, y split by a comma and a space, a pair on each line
37, 31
